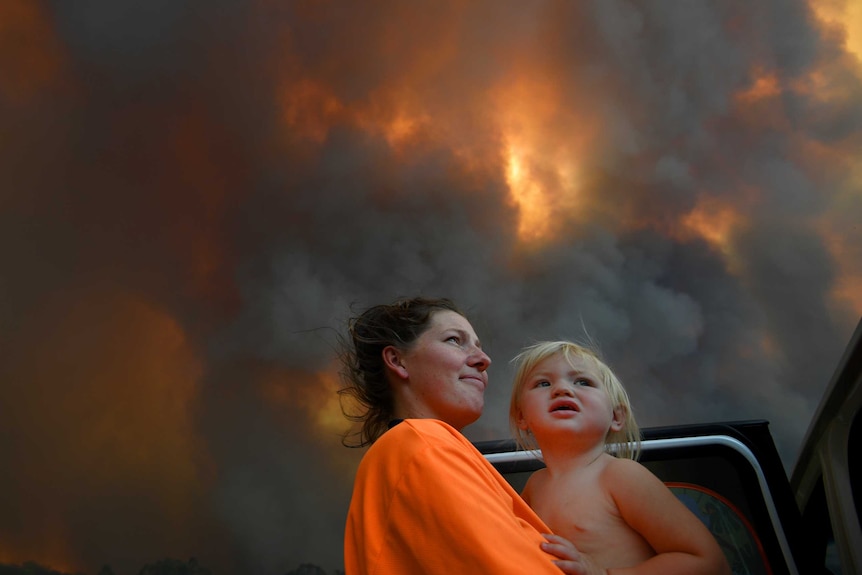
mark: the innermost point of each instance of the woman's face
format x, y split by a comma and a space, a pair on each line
443, 374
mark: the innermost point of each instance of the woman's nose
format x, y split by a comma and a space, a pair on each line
481, 360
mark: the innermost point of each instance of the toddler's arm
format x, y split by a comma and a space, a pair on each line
682, 542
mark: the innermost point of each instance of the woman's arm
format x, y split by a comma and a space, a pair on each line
452, 513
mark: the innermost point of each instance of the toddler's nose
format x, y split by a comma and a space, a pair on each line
562, 390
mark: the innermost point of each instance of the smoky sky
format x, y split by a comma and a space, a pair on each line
197, 196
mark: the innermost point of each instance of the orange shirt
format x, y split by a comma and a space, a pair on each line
425, 501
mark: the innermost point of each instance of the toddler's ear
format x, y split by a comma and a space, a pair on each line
619, 420
522, 423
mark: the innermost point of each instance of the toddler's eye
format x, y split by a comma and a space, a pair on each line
583, 382
543, 383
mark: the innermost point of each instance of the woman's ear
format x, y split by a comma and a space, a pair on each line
393, 359
619, 419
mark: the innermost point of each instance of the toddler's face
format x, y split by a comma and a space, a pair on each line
563, 397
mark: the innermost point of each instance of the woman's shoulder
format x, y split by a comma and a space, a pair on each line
424, 446
435, 428
422, 429
418, 434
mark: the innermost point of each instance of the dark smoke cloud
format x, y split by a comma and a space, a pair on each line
196, 198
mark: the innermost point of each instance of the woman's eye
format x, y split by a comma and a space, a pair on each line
454, 338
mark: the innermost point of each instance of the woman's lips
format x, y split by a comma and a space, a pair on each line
476, 378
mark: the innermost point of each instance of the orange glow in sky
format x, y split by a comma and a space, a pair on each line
544, 144
310, 108
30, 55
533, 211
842, 17
848, 289
318, 399
713, 221
848, 282
540, 154
52, 549
845, 16
765, 86
120, 426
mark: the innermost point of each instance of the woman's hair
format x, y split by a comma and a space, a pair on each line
397, 324
623, 443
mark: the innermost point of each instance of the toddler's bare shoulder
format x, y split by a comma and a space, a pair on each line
623, 471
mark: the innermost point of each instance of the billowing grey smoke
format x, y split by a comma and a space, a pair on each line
165, 219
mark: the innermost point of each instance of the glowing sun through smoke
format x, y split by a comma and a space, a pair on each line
543, 146
546, 195
534, 212
542, 141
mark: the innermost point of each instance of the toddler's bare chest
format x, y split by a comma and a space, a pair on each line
577, 512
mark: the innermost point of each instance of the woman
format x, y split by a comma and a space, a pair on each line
425, 500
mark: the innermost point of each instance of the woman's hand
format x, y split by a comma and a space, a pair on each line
569, 559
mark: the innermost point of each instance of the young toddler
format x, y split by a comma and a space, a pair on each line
621, 517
